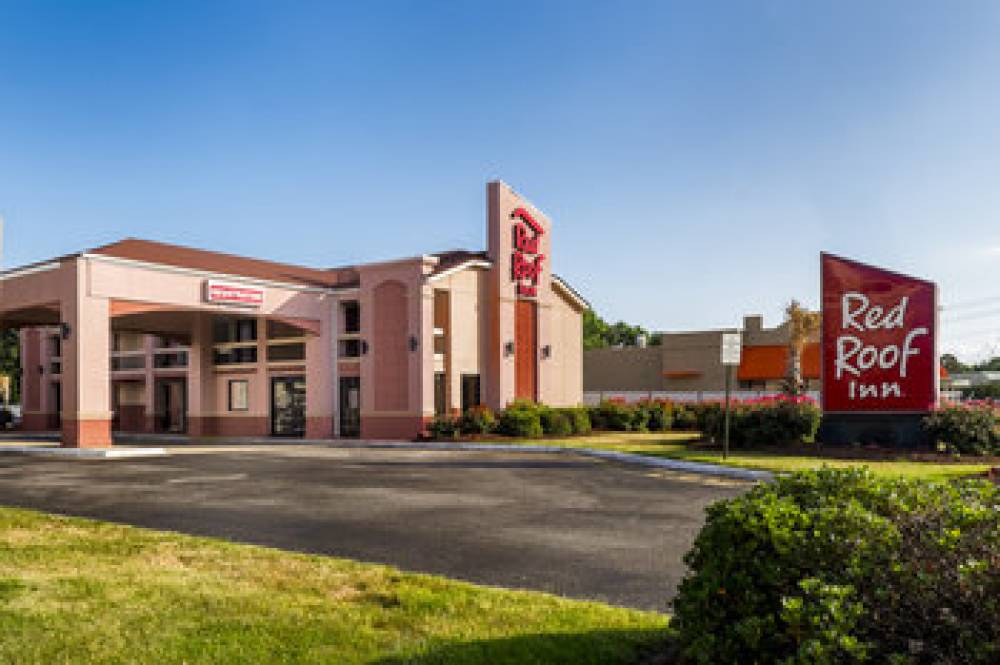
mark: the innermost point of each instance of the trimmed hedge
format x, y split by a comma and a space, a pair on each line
838, 566
522, 419
970, 428
779, 420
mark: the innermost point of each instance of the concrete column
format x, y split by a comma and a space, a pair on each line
201, 396
86, 371
320, 369
149, 389
334, 351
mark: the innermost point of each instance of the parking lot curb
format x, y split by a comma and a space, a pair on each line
702, 468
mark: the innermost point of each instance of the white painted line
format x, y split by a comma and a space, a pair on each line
83, 453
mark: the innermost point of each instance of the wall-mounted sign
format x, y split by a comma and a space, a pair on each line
228, 293
879, 343
526, 260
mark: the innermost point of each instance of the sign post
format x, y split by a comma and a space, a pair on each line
731, 347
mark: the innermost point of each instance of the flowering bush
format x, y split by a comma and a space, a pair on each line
838, 566
970, 427
778, 419
478, 420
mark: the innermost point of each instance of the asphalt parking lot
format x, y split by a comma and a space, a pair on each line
572, 526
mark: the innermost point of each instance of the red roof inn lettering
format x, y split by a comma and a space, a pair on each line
879, 351
526, 261
227, 293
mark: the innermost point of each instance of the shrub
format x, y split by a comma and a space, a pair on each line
478, 420
555, 422
972, 428
6, 418
685, 418
770, 420
579, 417
615, 416
838, 566
443, 427
521, 419
661, 417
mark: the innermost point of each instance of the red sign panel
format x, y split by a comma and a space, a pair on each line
879, 341
233, 294
526, 260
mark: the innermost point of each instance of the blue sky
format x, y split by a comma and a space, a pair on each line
695, 157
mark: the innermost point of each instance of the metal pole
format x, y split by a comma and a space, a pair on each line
725, 437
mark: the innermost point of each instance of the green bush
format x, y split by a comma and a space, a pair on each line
521, 419
661, 417
838, 566
555, 422
615, 416
685, 417
579, 417
443, 427
972, 428
777, 420
478, 420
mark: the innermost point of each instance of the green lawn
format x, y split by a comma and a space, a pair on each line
80, 591
675, 445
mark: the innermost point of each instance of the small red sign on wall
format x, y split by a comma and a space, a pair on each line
233, 294
879, 339
526, 260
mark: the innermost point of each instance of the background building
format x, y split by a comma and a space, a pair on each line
690, 363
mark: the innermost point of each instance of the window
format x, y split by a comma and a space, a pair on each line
282, 330
286, 352
239, 395
236, 356
351, 311
234, 330
440, 393
470, 391
350, 348
55, 346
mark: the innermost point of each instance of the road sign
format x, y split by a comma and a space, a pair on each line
731, 346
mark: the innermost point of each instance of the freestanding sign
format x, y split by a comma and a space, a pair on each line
879, 352
732, 347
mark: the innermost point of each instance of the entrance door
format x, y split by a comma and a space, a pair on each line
288, 406
526, 350
171, 406
350, 406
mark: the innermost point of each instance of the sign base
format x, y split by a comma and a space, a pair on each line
889, 430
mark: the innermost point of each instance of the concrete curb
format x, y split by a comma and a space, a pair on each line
83, 453
701, 468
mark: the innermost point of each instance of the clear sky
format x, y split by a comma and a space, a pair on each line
695, 157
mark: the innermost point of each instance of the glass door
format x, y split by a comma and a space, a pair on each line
350, 406
288, 406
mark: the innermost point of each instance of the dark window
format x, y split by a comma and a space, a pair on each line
352, 317
239, 330
243, 354
55, 346
168, 360
440, 393
119, 363
285, 352
350, 348
470, 391
239, 395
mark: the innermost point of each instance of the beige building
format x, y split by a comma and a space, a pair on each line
691, 362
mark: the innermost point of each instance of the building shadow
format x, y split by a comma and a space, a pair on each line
604, 647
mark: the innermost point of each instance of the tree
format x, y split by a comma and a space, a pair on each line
953, 365
803, 327
598, 333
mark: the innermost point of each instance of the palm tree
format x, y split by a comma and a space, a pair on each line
803, 326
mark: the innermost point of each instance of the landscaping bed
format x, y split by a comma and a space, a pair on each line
81, 591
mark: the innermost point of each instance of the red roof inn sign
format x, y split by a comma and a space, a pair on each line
228, 293
526, 259
879, 340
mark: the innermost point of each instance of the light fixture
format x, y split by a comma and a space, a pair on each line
64, 330
547, 351
508, 349
364, 347
413, 343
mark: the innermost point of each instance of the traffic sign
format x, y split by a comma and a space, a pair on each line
731, 347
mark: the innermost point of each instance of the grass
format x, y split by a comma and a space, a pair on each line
79, 591
676, 445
